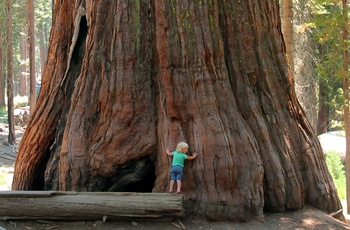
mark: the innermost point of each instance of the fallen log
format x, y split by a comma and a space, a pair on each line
58, 205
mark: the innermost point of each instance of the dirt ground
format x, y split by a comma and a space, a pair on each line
308, 218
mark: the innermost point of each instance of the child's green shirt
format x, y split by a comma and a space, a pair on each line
179, 158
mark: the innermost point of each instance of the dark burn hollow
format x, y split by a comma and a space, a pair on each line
134, 176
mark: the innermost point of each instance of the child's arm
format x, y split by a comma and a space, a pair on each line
168, 152
192, 157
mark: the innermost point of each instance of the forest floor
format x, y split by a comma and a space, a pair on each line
307, 218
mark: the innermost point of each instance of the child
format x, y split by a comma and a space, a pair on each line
176, 171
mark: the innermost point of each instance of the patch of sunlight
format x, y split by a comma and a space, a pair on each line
6, 176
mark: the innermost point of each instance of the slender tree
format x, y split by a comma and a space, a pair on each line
346, 97
2, 79
3, 24
125, 80
31, 53
323, 107
10, 106
42, 51
288, 31
23, 79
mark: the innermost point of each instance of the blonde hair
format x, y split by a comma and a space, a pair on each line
181, 146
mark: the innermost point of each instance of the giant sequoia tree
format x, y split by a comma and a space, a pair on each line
125, 80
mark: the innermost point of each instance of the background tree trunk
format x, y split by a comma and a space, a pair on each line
125, 80
11, 135
323, 109
346, 97
288, 32
23, 79
43, 49
2, 79
304, 59
31, 38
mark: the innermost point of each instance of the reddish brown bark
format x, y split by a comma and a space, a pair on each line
126, 80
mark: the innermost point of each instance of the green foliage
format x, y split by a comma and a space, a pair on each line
18, 102
337, 171
328, 20
2, 111
3, 115
42, 17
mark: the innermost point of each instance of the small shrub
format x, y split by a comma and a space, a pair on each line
337, 171
3, 115
3, 111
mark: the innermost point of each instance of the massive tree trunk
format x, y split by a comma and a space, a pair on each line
126, 79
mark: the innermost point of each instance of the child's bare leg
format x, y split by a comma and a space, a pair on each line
172, 182
178, 183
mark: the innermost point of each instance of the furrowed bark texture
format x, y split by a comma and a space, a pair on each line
125, 80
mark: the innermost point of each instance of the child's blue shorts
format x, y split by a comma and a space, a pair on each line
176, 172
